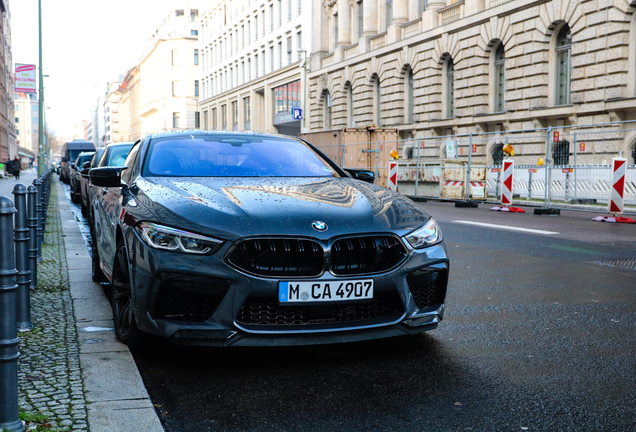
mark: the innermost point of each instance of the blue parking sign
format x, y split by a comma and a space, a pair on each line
297, 113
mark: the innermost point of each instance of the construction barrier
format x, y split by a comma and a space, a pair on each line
617, 191
393, 176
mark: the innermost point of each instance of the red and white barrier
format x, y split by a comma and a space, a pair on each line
506, 190
618, 185
617, 193
393, 173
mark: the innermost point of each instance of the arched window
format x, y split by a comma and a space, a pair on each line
349, 89
497, 154
563, 50
561, 152
327, 111
634, 153
408, 96
500, 79
376, 101
450, 88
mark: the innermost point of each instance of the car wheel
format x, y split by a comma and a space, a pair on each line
74, 195
84, 209
98, 274
126, 328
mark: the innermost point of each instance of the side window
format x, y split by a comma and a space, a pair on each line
127, 174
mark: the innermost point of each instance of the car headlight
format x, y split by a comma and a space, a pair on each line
172, 239
427, 235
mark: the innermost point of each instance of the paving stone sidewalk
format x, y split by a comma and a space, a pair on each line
51, 388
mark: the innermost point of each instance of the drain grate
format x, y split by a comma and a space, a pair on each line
624, 263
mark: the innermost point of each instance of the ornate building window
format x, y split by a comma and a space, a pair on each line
349, 90
376, 101
500, 79
408, 96
449, 96
327, 111
563, 49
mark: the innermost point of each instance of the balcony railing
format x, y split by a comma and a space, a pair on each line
452, 13
411, 28
494, 3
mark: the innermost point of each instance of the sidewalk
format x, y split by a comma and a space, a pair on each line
7, 184
73, 373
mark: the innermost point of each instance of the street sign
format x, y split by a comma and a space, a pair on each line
297, 113
532, 170
582, 147
567, 170
25, 78
474, 148
556, 137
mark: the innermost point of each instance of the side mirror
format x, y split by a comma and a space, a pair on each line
106, 176
64, 159
361, 174
86, 164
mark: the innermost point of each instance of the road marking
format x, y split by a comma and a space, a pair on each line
504, 227
572, 249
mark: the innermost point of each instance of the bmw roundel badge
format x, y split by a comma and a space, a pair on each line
319, 226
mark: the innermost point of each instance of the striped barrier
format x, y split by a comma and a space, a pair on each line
617, 191
506, 191
393, 174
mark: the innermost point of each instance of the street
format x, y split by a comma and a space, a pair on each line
535, 337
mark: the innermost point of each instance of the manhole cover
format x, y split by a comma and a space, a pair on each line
624, 263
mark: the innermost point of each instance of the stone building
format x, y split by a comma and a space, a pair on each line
8, 146
129, 100
252, 59
111, 111
445, 68
26, 120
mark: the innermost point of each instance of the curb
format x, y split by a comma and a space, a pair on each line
116, 398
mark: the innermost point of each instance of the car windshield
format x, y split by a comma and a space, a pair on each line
117, 155
234, 156
80, 160
73, 154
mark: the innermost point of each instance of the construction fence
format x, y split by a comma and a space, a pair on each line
553, 165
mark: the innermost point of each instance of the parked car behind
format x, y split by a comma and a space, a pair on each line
243, 238
69, 153
112, 155
76, 167
84, 181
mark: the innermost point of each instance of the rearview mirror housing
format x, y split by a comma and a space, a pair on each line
364, 175
106, 176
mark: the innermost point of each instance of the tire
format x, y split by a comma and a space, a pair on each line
74, 197
126, 328
98, 274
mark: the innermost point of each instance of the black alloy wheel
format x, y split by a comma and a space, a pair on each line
125, 325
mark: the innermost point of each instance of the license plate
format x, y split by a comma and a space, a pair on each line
327, 291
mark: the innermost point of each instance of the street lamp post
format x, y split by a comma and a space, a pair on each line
303, 83
41, 160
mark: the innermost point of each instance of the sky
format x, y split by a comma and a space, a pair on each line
85, 45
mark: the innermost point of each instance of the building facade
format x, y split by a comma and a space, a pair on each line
98, 127
167, 80
129, 102
8, 146
111, 111
253, 55
26, 120
442, 68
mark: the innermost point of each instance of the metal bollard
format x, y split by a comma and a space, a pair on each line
9, 354
32, 224
38, 213
21, 238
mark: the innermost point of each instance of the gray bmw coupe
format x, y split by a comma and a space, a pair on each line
244, 238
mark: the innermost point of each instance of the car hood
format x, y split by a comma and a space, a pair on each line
237, 207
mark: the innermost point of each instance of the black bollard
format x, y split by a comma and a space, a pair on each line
38, 215
9, 354
21, 238
32, 224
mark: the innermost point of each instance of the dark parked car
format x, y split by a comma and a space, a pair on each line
234, 238
76, 168
84, 181
112, 155
68, 154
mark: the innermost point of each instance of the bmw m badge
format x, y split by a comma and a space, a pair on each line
319, 226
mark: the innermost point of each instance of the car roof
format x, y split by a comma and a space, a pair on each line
86, 153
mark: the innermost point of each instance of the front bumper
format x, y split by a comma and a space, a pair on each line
201, 300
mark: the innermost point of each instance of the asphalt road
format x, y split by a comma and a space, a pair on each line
535, 338
538, 335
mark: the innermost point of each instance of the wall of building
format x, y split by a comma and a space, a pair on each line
602, 67
248, 49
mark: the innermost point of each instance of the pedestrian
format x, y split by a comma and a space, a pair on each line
15, 167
